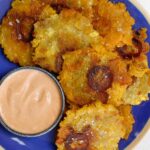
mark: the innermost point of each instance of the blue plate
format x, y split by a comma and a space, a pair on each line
46, 142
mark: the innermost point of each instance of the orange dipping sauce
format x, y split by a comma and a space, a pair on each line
30, 101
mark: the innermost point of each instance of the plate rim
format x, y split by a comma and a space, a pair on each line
146, 128
141, 9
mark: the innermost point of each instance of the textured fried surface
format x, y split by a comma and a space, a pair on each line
133, 94
16, 30
83, 6
74, 78
137, 68
138, 91
113, 22
76, 3
60, 33
128, 119
75, 69
101, 126
127, 87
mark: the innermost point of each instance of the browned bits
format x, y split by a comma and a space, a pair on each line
103, 96
23, 26
120, 71
125, 52
100, 78
58, 7
77, 141
139, 45
65, 132
128, 52
59, 62
24, 29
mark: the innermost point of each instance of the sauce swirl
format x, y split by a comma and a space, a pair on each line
30, 101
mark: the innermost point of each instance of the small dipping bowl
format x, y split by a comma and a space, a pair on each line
51, 101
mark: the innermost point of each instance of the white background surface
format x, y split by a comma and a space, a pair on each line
145, 4
143, 140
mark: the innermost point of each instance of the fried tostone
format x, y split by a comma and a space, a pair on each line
92, 74
93, 127
128, 119
138, 91
88, 76
114, 23
58, 34
17, 27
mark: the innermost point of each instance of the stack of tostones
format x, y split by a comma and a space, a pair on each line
101, 63
92, 74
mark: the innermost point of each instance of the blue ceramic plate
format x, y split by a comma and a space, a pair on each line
46, 142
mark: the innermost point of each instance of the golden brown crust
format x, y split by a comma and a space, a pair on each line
126, 112
138, 46
91, 128
83, 6
16, 30
65, 32
85, 85
80, 141
120, 72
75, 72
114, 23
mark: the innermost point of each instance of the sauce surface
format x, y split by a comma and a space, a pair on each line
30, 101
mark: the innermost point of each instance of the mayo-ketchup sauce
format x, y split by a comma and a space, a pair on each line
30, 101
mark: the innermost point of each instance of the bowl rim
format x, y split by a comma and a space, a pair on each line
62, 99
